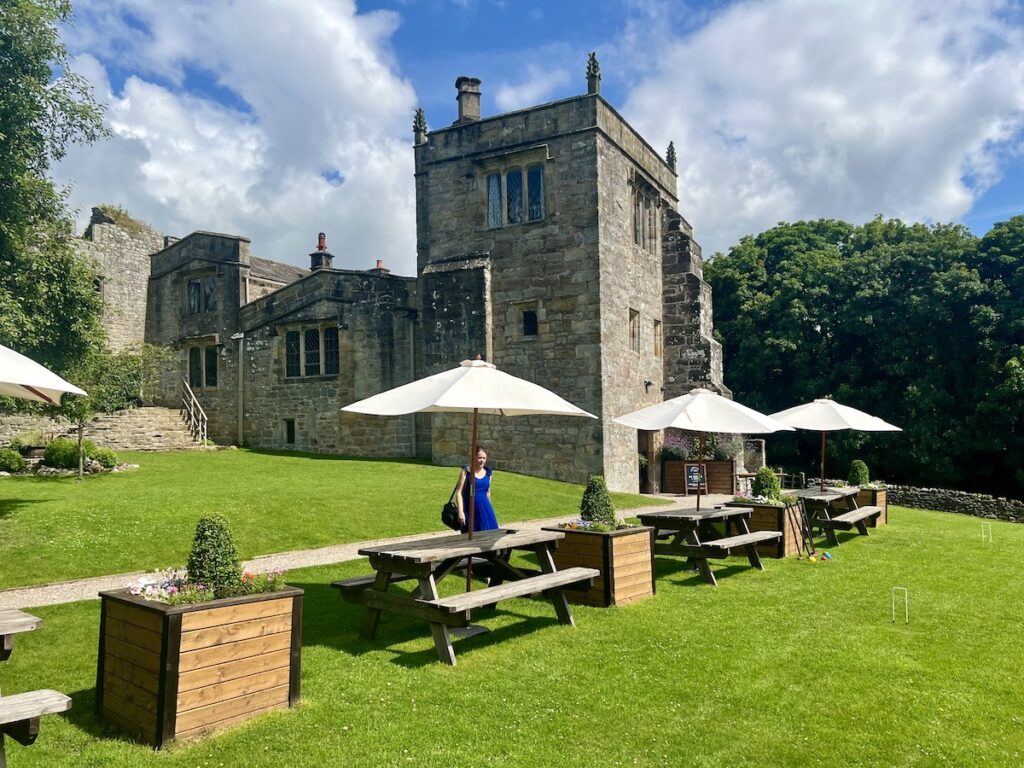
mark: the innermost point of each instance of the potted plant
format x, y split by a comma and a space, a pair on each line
769, 514
870, 493
623, 553
189, 652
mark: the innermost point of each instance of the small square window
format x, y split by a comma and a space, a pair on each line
529, 322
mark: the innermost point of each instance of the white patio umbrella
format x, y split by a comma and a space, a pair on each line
24, 378
827, 415
474, 387
701, 410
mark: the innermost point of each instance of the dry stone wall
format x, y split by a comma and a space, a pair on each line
945, 500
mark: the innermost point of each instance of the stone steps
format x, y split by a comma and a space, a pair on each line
141, 429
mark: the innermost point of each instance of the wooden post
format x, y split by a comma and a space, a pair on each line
700, 469
471, 479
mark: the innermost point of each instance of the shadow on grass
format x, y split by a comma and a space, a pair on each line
329, 621
336, 457
10, 506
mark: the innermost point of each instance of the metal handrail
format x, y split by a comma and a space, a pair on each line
193, 413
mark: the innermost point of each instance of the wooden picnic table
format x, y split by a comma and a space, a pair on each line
429, 560
19, 714
691, 534
13, 622
836, 509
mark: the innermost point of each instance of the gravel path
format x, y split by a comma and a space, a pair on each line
87, 589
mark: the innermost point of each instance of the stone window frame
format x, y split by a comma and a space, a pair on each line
202, 281
521, 310
208, 350
645, 213
288, 427
634, 330
323, 352
498, 169
658, 336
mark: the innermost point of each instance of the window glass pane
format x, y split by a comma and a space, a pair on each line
311, 342
331, 362
193, 296
514, 190
195, 367
529, 322
535, 188
211, 366
210, 293
494, 200
637, 218
657, 338
292, 358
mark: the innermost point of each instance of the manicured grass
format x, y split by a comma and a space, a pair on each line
800, 665
57, 529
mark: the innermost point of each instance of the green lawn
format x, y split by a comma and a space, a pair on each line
800, 665
57, 529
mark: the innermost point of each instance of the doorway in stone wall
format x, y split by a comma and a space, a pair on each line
645, 460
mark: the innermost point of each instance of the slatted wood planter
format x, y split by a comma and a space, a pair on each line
875, 498
772, 517
167, 672
720, 476
625, 559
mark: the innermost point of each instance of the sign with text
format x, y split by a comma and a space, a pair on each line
695, 478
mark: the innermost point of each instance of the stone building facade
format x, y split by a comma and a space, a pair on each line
548, 242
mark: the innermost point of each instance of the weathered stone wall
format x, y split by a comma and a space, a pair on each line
630, 281
692, 357
121, 252
375, 315
17, 424
945, 500
549, 267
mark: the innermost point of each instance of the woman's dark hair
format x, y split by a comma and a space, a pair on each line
481, 448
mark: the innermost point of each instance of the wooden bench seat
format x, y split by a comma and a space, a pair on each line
742, 540
846, 521
666, 533
490, 595
20, 713
364, 582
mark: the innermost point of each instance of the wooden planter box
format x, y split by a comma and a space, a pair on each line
875, 498
167, 672
720, 476
625, 559
772, 517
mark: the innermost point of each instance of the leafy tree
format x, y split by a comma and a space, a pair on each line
49, 309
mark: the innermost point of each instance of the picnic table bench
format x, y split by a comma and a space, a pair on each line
693, 536
20, 713
427, 561
836, 509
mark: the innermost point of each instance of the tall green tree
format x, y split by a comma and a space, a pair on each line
921, 325
49, 308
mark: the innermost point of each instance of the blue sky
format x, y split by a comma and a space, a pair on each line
276, 120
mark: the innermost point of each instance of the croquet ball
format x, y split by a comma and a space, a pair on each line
826, 556
813, 558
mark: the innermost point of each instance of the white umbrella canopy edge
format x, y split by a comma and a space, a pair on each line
826, 415
24, 378
701, 410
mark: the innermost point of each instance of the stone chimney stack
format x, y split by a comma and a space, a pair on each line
468, 98
593, 74
321, 258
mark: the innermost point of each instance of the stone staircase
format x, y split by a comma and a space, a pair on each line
141, 429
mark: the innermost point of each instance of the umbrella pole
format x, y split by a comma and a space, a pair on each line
822, 487
700, 469
472, 500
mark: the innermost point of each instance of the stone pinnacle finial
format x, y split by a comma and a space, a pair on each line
670, 156
419, 127
593, 74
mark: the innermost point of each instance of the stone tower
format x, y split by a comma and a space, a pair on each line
549, 241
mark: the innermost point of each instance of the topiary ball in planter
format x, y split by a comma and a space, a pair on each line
858, 473
766, 484
596, 506
213, 560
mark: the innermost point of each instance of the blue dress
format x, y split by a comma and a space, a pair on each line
483, 516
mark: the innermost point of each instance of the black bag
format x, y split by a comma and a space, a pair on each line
450, 511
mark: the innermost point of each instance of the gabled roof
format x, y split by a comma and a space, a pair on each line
275, 270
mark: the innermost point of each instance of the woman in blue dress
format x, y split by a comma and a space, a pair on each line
483, 514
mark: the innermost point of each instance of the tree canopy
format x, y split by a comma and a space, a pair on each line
49, 308
920, 325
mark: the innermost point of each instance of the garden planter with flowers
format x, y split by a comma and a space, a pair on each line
175, 665
623, 554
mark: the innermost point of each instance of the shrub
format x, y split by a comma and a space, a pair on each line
858, 473
61, 453
106, 457
766, 483
10, 460
596, 506
213, 561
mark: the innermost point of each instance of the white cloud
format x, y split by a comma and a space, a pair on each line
234, 114
794, 109
537, 88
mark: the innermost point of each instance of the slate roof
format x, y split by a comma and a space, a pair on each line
275, 270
